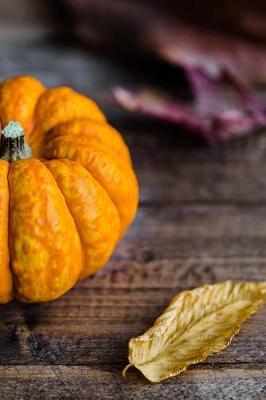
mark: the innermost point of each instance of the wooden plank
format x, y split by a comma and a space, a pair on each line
93, 330
189, 182
105, 311
168, 171
175, 274
169, 145
54, 382
196, 231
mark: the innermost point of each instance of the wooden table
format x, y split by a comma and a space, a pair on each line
202, 219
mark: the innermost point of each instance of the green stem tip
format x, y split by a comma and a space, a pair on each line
13, 145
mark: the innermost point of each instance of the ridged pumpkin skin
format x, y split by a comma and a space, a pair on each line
63, 210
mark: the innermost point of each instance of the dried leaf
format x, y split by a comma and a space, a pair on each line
196, 324
222, 108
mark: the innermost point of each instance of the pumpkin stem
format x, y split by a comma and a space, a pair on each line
13, 145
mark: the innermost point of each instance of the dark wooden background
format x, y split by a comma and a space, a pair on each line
202, 219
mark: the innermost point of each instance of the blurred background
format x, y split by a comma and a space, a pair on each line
191, 64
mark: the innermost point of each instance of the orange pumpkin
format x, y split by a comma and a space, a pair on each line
67, 189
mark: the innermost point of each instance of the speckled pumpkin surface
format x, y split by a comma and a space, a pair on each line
64, 208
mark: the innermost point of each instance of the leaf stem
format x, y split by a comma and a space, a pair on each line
125, 370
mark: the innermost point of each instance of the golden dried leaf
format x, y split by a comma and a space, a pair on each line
196, 324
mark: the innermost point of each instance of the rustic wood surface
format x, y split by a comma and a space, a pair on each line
202, 219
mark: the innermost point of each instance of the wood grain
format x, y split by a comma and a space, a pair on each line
90, 383
106, 310
196, 231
